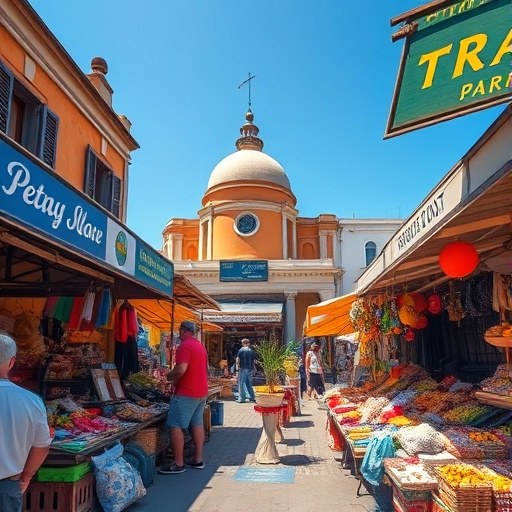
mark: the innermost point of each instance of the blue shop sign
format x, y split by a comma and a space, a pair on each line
32, 196
36, 199
234, 271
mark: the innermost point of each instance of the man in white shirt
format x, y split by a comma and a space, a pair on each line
25, 435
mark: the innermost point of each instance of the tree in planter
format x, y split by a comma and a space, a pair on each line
272, 357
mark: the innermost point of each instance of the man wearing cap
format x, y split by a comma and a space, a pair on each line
25, 435
189, 378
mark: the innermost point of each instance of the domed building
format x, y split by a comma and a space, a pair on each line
250, 250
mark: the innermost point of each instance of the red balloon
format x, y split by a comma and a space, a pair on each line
458, 259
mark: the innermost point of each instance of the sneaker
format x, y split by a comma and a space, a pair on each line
171, 469
239, 401
253, 400
197, 465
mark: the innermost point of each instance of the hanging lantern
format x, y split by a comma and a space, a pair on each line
422, 322
435, 305
458, 259
420, 302
409, 335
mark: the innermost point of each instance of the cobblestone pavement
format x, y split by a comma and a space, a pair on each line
319, 484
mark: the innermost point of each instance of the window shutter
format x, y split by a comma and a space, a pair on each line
6, 84
90, 172
116, 197
48, 141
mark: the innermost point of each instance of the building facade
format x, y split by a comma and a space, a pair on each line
249, 215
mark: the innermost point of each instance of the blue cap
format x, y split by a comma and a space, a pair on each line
187, 325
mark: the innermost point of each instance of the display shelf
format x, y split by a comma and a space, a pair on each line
502, 401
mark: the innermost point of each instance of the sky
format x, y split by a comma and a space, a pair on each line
325, 72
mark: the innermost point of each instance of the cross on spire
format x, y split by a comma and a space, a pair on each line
249, 82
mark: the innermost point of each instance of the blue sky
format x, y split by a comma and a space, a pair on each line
325, 72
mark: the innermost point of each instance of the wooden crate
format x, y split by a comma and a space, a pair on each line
60, 497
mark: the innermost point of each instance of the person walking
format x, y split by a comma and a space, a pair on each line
189, 378
25, 435
315, 372
245, 367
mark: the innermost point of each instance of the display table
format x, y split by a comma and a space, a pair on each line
60, 457
266, 451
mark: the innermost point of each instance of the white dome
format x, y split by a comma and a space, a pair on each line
250, 165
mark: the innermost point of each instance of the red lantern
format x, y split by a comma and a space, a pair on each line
409, 335
458, 259
420, 302
434, 304
422, 322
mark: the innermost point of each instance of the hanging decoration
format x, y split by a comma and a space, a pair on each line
422, 322
435, 305
458, 259
420, 302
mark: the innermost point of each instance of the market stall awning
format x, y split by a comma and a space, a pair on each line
472, 204
247, 312
330, 317
159, 314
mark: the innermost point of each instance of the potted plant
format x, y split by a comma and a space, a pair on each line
272, 358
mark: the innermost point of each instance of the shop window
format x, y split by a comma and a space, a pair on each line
101, 184
26, 120
370, 250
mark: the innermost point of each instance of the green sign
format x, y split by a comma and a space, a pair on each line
152, 268
457, 61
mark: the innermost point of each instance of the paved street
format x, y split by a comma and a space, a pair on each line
319, 484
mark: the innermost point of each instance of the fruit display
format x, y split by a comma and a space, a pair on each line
471, 443
460, 474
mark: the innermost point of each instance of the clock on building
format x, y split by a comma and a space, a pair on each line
246, 224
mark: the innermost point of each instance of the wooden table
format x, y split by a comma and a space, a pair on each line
353, 454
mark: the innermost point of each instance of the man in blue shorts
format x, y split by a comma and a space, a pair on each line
189, 378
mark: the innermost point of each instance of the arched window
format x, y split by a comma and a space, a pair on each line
370, 251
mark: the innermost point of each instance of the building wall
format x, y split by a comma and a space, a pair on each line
352, 238
84, 117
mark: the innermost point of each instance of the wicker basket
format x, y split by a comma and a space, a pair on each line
502, 501
467, 498
269, 399
152, 439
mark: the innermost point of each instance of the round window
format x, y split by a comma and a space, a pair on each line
246, 224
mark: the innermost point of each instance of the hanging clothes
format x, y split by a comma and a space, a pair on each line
103, 318
126, 329
62, 309
76, 313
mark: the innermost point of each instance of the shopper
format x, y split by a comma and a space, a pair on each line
315, 372
25, 435
189, 378
245, 367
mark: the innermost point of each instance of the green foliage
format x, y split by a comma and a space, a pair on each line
272, 357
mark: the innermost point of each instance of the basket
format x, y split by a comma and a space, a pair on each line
63, 474
412, 495
411, 501
466, 498
152, 439
502, 501
269, 399
60, 497
438, 505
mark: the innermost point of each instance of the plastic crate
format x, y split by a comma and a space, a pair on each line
63, 474
60, 497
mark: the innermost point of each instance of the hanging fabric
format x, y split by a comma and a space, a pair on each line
103, 317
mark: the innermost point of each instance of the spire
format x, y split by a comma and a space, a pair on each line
249, 132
